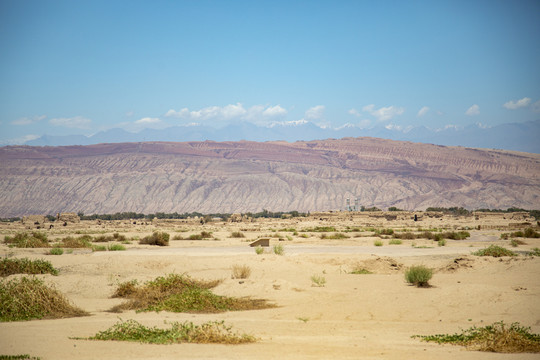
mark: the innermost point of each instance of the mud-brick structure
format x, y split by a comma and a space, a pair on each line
68, 218
38, 220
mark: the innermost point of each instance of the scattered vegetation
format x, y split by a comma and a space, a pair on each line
358, 270
116, 247
241, 271
107, 238
419, 275
76, 242
335, 236
10, 266
395, 242
201, 236
29, 298
535, 252
157, 238
527, 233
187, 332
56, 251
35, 239
321, 229
237, 234
318, 281
259, 250
495, 251
497, 337
517, 242
441, 242
278, 249
378, 243
180, 293
384, 232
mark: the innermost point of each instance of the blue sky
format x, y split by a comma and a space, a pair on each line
80, 67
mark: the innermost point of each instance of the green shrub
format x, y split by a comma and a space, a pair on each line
535, 252
321, 229
385, 232
335, 236
495, 251
259, 250
497, 337
35, 239
157, 238
56, 251
76, 243
10, 266
187, 332
460, 235
278, 249
418, 275
99, 248
395, 242
378, 243
360, 271
441, 242
407, 235
29, 298
116, 247
237, 234
318, 281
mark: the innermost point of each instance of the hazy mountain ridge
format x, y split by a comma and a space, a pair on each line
513, 136
249, 176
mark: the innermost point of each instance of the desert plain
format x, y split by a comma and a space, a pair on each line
350, 316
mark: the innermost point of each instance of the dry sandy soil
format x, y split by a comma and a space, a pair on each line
351, 317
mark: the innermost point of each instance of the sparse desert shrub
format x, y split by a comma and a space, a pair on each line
241, 271
278, 249
29, 298
259, 250
384, 232
103, 238
517, 242
535, 252
321, 229
441, 242
453, 235
99, 248
56, 251
178, 237
358, 270
406, 235
495, 251
195, 237
35, 239
180, 293
116, 247
530, 233
318, 281
378, 243
75, 243
497, 337
505, 236
206, 235
395, 242
187, 332
418, 275
119, 237
237, 234
335, 236
157, 238
10, 266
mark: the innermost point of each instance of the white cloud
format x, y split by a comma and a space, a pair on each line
513, 105
28, 120
20, 140
393, 127
536, 106
315, 113
354, 112
288, 123
78, 122
229, 112
473, 110
423, 111
384, 113
148, 120
482, 126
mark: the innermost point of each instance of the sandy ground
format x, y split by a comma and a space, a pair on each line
351, 317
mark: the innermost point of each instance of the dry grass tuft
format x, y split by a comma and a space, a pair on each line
26, 266
241, 271
157, 238
29, 298
35, 239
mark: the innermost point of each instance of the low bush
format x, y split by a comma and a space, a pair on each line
76, 243
497, 337
187, 332
321, 229
318, 281
495, 251
360, 271
452, 235
395, 242
535, 252
99, 248
441, 242
278, 249
406, 235
180, 293
116, 247
35, 239
56, 251
384, 232
237, 234
10, 266
157, 238
335, 236
378, 243
259, 250
418, 275
29, 298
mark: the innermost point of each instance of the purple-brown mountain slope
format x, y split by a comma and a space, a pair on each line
212, 177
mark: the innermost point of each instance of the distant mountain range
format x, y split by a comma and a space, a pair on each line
245, 176
512, 136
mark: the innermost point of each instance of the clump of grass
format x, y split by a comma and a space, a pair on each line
497, 337
259, 250
237, 234
335, 236
157, 238
418, 275
321, 229
395, 242
527, 233
10, 266
406, 235
453, 235
180, 293
29, 298
535, 252
278, 249
384, 232
35, 239
178, 237
318, 281
441, 242
187, 332
201, 236
76, 243
56, 251
116, 247
495, 251
517, 242
240, 271
360, 271
378, 243
99, 248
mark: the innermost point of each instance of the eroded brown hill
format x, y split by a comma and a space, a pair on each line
249, 176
